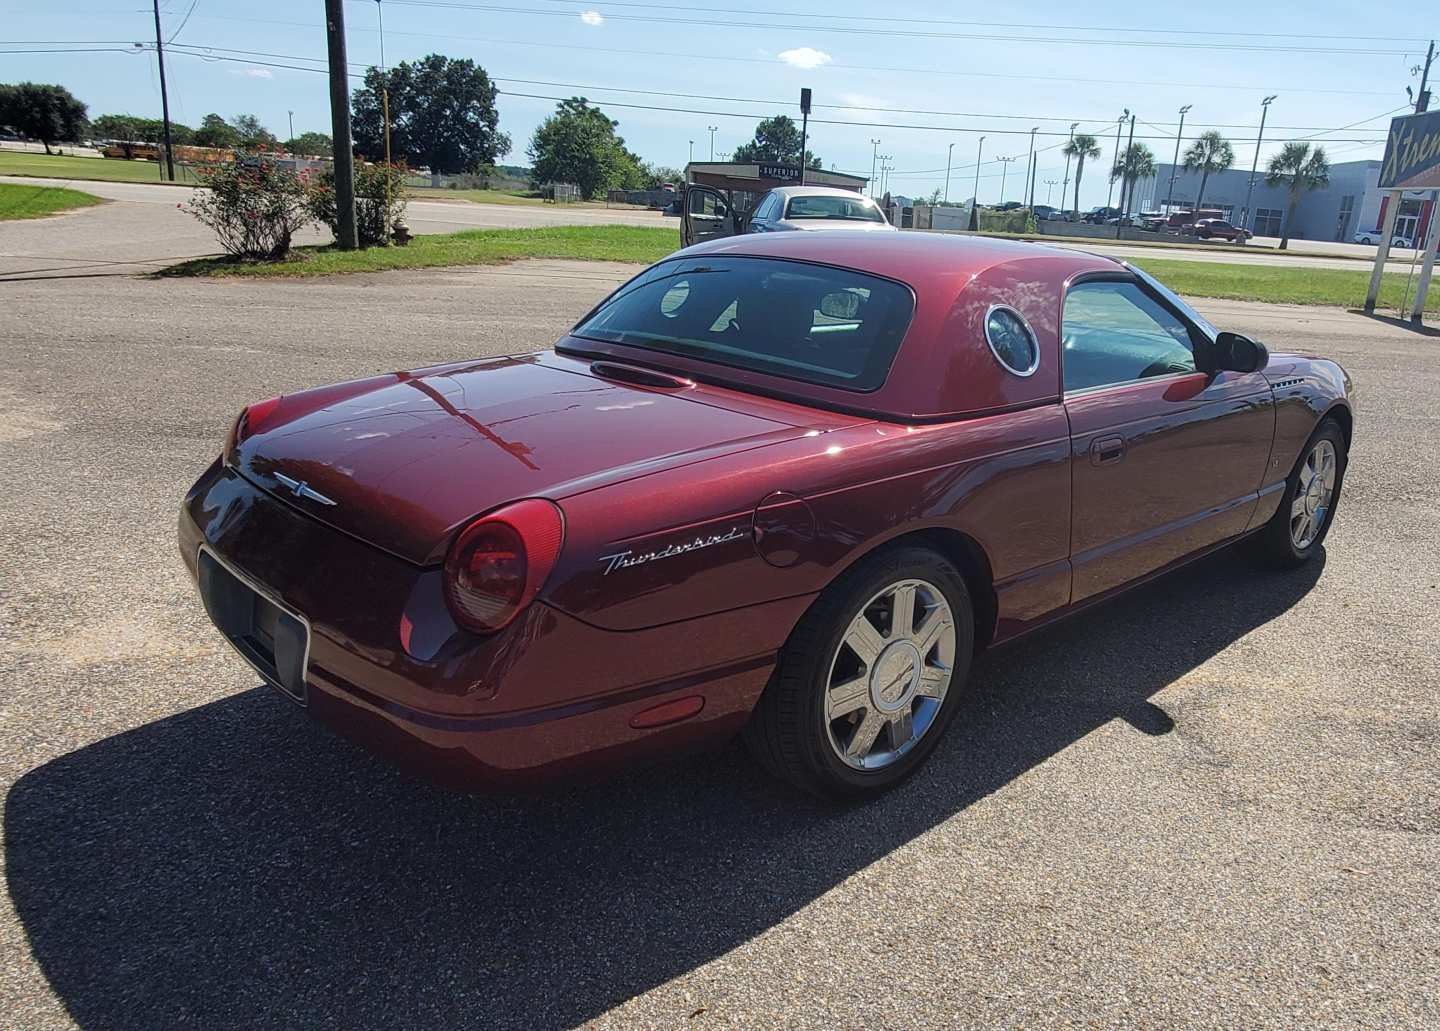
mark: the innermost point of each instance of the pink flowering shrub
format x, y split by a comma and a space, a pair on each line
254, 206
379, 201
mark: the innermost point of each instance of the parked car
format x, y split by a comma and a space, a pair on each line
708, 215
1376, 236
1045, 211
784, 483
1099, 216
1217, 229
1009, 205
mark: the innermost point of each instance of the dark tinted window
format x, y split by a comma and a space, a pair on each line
815, 323
854, 209
1115, 332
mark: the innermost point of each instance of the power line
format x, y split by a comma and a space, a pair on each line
1030, 39
990, 24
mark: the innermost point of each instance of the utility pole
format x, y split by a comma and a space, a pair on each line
1065, 183
949, 153
164, 96
713, 130
874, 161
345, 235
1030, 170
975, 200
1050, 184
1125, 182
1004, 171
1422, 99
1250, 187
1110, 193
292, 123
1175, 161
691, 158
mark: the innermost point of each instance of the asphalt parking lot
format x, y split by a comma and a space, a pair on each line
1214, 803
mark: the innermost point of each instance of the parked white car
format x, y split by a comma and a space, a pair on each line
1375, 237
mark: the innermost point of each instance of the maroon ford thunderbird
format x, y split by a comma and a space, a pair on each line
786, 484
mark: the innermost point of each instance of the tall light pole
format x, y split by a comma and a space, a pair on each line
975, 200
1030, 170
292, 123
1110, 193
1250, 187
1127, 184
874, 161
713, 130
1065, 183
1175, 162
949, 153
691, 158
1004, 171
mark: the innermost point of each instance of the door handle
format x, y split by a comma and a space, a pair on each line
1107, 450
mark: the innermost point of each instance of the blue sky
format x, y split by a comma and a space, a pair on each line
1027, 65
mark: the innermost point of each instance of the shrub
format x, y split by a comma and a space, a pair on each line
379, 201
254, 206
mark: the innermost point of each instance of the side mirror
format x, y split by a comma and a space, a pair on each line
1235, 353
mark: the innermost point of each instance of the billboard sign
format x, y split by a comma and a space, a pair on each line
1412, 154
784, 173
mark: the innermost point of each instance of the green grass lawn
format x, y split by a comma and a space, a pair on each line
17, 201
56, 166
639, 244
1278, 284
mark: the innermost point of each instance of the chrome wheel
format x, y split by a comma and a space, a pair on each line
1313, 495
888, 678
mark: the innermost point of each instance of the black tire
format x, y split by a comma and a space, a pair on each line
1275, 545
788, 732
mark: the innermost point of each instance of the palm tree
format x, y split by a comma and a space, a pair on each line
1081, 147
1210, 152
1303, 169
1138, 162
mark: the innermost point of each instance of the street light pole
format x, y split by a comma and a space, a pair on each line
1030, 170
1175, 162
1250, 187
975, 200
1065, 183
1127, 184
691, 158
949, 153
1110, 193
874, 161
713, 130
292, 123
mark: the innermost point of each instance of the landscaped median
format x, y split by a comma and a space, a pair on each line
17, 201
637, 244
1278, 284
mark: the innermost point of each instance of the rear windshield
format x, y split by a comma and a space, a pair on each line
814, 323
847, 209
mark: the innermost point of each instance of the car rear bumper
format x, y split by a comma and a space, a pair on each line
549, 696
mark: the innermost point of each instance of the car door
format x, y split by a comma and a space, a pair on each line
1166, 459
708, 215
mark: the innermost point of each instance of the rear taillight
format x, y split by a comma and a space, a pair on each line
499, 563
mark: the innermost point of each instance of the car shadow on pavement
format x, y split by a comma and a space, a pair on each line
238, 866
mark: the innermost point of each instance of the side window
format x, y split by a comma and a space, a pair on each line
766, 210
707, 204
1114, 332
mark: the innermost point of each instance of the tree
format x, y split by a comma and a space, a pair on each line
442, 115
1304, 169
43, 112
214, 131
577, 144
658, 175
311, 144
1138, 162
1081, 147
776, 139
122, 129
1210, 153
251, 135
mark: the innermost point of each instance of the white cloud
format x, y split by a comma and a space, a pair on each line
253, 73
591, 17
805, 57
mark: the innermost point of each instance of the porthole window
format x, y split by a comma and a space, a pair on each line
1011, 341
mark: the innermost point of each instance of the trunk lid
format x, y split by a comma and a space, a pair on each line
407, 460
